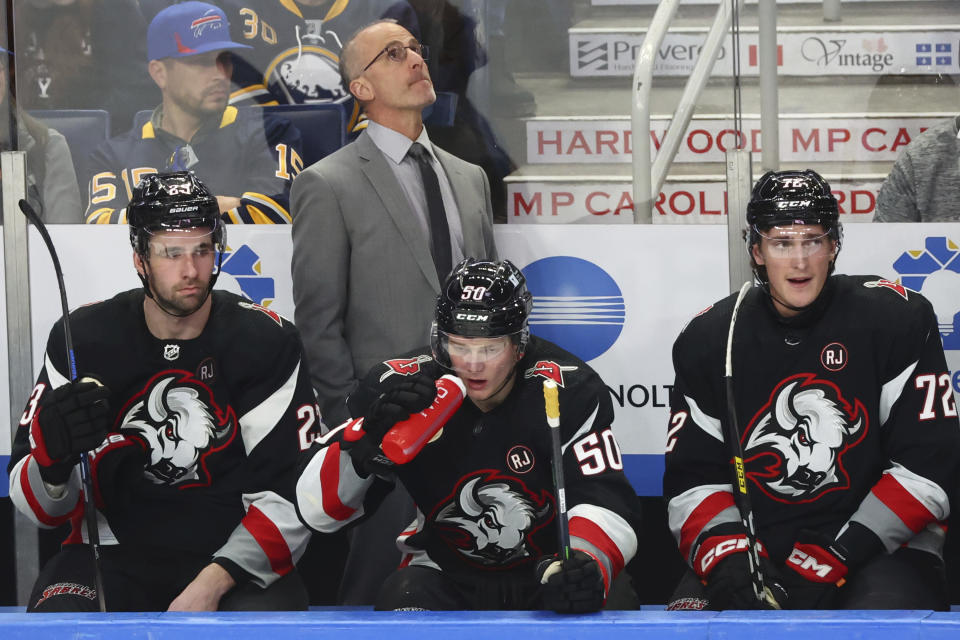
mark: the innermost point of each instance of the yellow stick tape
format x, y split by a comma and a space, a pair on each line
552, 402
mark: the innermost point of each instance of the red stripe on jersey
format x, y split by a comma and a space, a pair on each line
706, 511
76, 524
39, 444
592, 533
268, 536
913, 513
31, 497
329, 481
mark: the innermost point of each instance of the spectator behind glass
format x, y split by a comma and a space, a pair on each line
83, 54
924, 185
246, 157
295, 47
51, 180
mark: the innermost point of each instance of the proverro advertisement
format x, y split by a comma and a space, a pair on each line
801, 52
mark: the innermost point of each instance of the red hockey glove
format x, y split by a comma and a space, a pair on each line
723, 566
397, 403
117, 469
574, 585
74, 418
816, 569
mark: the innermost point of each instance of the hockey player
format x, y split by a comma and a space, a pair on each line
485, 533
201, 403
247, 158
848, 426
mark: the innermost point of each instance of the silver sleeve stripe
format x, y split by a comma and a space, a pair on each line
616, 528
584, 428
709, 425
351, 489
924, 491
260, 421
930, 539
51, 507
891, 392
600, 556
56, 378
680, 508
883, 521
244, 549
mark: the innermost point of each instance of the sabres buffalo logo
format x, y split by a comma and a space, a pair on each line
795, 444
176, 416
489, 519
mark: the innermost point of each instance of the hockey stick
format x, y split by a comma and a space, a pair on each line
740, 495
552, 405
89, 510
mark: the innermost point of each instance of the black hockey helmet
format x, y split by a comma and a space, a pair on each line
481, 299
176, 201
172, 202
782, 198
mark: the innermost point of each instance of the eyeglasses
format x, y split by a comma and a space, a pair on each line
397, 52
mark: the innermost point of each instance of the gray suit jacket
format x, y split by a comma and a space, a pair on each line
364, 283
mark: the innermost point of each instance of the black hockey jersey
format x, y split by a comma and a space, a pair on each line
483, 489
246, 154
296, 48
846, 414
224, 416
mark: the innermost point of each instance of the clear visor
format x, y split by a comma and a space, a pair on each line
175, 244
793, 241
464, 353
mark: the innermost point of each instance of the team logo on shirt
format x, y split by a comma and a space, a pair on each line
795, 444
896, 287
549, 370
489, 519
404, 366
181, 423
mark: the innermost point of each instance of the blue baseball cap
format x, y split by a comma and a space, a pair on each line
187, 29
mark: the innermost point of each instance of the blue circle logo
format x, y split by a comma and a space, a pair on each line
936, 272
576, 305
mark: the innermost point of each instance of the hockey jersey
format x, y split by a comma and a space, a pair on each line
246, 154
846, 414
484, 491
224, 416
296, 48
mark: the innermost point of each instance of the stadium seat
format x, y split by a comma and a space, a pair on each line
441, 112
84, 129
323, 127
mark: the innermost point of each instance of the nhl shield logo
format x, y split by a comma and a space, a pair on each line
171, 351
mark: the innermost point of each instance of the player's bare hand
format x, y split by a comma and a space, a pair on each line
204, 593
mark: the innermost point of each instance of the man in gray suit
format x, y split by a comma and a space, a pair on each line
369, 252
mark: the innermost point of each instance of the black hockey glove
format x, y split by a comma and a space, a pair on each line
398, 403
724, 568
815, 570
574, 585
73, 419
366, 456
117, 470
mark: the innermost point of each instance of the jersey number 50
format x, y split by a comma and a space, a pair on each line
596, 453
